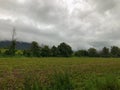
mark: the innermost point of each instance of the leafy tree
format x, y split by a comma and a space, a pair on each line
19, 52
105, 52
92, 52
27, 53
12, 49
35, 49
115, 51
81, 53
46, 52
65, 50
54, 51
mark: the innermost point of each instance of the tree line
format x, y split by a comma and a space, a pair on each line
62, 50
114, 51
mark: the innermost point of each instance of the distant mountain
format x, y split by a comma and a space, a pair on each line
19, 45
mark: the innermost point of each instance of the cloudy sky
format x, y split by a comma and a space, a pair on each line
80, 23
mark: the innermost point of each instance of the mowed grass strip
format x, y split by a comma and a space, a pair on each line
13, 71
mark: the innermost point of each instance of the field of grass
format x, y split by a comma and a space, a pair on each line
59, 73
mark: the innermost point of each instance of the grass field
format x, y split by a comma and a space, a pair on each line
77, 73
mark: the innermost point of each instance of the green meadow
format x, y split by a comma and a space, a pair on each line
59, 73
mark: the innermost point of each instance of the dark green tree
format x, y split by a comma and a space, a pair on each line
115, 51
12, 49
65, 50
27, 53
105, 52
45, 52
92, 52
54, 51
81, 53
35, 49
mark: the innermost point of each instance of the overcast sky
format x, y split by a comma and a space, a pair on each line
80, 23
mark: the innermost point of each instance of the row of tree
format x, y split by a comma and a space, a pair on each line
62, 50
105, 52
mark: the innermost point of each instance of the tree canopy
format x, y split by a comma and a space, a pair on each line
65, 50
62, 50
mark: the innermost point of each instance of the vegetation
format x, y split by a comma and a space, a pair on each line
62, 50
105, 52
108, 82
12, 49
81, 53
59, 74
35, 49
59, 81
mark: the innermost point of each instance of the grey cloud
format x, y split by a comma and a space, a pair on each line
104, 5
80, 23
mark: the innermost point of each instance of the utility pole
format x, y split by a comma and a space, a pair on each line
13, 43
13, 34
11, 49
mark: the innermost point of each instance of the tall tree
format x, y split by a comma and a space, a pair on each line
35, 49
46, 52
115, 51
65, 50
54, 51
105, 52
92, 52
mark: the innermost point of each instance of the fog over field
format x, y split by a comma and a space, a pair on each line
80, 23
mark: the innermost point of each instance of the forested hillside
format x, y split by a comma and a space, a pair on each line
19, 45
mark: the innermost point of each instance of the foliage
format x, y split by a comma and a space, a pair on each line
35, 50
19, 52
115, 51
92, 52
27, 53
62, 50
105, 52
54, 51
81, 53
12, 49
45, 52
65, 50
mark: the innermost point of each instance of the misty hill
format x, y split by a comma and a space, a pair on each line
19, 45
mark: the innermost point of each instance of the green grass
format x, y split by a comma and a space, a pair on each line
59, 73
59, 81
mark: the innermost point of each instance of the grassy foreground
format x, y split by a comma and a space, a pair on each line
59, 74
